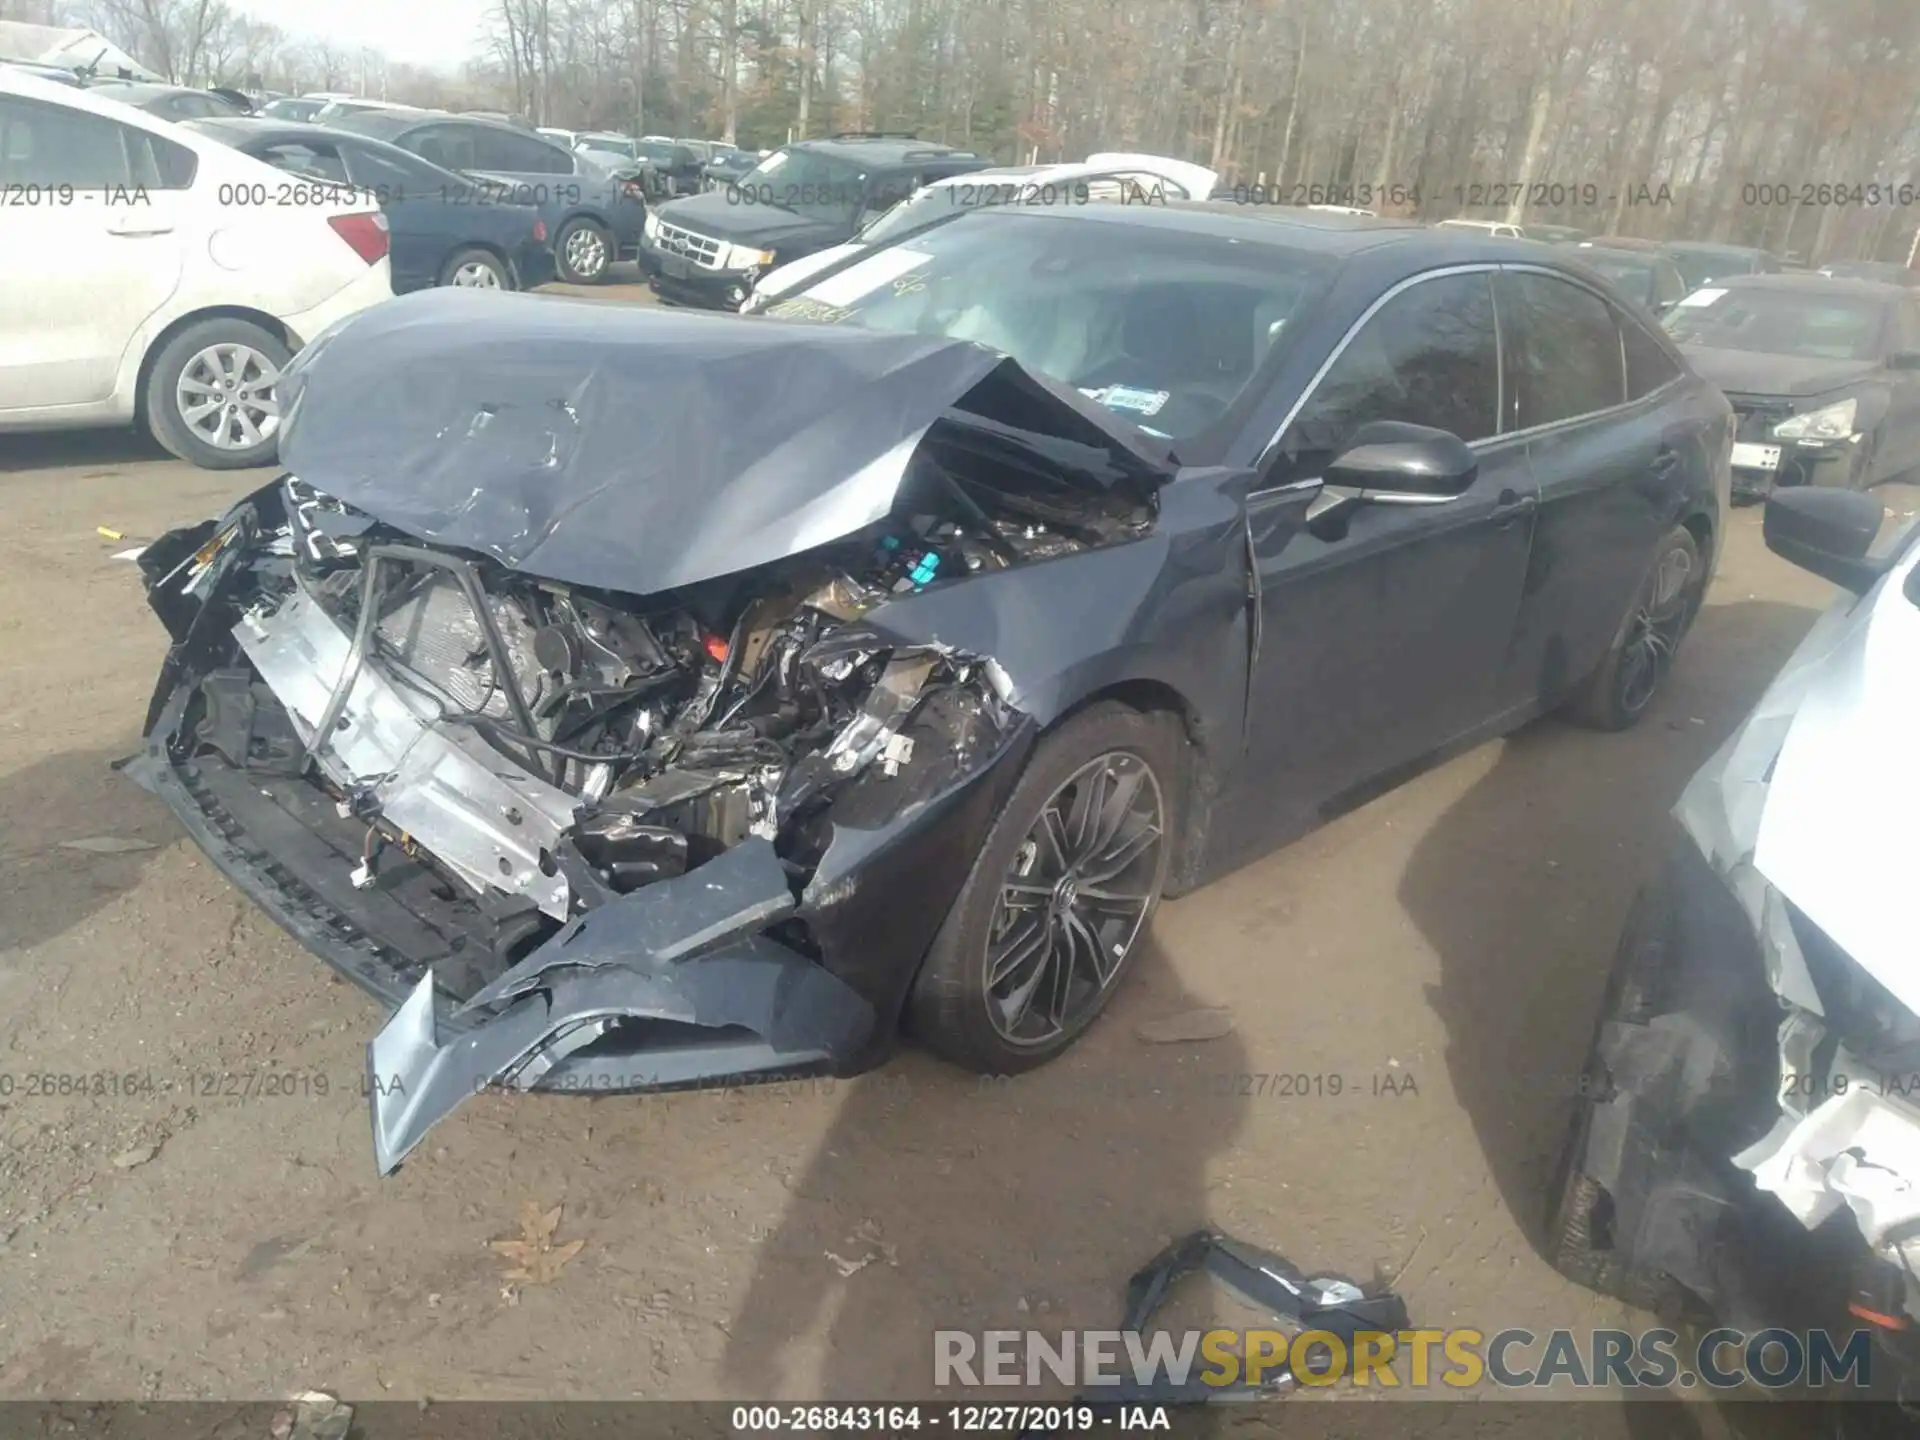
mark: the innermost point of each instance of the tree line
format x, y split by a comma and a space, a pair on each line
1793, 124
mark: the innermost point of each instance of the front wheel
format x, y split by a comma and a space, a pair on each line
211, 394
1058, 897
582, 251
1620, 690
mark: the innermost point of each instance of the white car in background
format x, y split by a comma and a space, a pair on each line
1499, 229
153, 276
1146, 179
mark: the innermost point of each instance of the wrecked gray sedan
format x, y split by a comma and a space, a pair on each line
621, 737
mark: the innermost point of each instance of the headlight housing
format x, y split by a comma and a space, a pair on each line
1830, 422
652, 227
744, 257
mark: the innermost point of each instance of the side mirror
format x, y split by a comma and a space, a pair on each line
1391, 463
1827, 532
1662, 307
1904, 360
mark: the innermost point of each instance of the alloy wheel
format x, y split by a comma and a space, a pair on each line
225, 395
586, 253
1074, 900
477, 275
1654, 632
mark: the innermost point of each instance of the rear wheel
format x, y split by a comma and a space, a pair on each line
582, 251
1058, 898
211, 394
1620, 690
476, 269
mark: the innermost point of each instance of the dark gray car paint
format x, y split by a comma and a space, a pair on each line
1231, 609
608, 448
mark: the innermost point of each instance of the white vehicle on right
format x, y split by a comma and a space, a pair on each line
1755, 1073
1127, 178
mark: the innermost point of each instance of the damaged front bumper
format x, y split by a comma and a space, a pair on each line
498, 971
674, 986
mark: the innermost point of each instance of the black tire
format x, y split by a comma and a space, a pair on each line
475, 260
948, 1010
583, 251
193, 440
1621, 688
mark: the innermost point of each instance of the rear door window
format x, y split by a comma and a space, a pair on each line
518, 154
305, 158
1649, 366
451, 147
1569, 362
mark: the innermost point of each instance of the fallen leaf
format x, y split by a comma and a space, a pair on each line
107, 845
536, 1259
138, 1155
1209, 1024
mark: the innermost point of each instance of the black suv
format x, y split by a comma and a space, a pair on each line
708, 250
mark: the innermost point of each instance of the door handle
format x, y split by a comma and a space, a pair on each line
1665, 463
1512, 505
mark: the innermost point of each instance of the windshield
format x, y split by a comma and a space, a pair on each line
1630, 272
612, 144
1697, 267
1165, 327
1780, 322
805, 181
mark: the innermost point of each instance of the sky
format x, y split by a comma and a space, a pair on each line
442, 34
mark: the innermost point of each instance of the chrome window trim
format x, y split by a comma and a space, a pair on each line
1503, 435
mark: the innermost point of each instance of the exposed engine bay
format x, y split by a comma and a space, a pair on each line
543, 748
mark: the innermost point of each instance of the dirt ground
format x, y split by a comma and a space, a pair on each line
1439, 954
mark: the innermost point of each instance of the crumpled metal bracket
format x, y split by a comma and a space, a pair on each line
1271, 1281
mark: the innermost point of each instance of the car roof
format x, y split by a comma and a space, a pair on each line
1714, 246
1650, 254
387, 123
1323, 231
1812, 282
885, 150
147, 89
233, 129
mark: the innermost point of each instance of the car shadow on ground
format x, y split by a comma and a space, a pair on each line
102, 450
1522, 887
1007, 1203
47, 888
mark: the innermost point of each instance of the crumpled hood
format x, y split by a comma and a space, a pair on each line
1835, 834
1813, 791
629, 449
1747, 373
